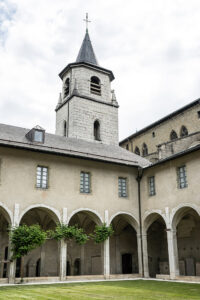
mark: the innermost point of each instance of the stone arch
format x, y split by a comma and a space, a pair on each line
123, 244
94, 215
54, 213
6, 213
89, 255
151, 217
155, 229
5, 222
129, 217
185, 221
179, 211
48, 253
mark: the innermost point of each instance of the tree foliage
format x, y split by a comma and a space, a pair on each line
63, 231
26, 238
102, 233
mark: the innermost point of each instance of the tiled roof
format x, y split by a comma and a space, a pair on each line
13, 136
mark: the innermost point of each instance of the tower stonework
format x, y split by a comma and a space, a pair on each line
87, 108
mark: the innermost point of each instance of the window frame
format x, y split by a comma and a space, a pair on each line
39, 185
182, 177
83, 189
151, 186
121, 193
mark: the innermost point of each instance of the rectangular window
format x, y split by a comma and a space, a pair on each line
182, 178
85, 182
42, 177
151, 182
122, 187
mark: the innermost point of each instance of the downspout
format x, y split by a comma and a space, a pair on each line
139, 177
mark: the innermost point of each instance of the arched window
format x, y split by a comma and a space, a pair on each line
95, 85
144, 150
64, 128
173, 135
137, 150
66, 88
184, 131
97, 130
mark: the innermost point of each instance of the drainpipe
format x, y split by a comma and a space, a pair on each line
139, 177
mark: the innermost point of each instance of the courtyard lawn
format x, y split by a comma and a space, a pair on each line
138, 290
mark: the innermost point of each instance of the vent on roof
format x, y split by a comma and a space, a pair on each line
36, 134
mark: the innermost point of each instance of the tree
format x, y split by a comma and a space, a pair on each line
102, 233
67, 233
24, 239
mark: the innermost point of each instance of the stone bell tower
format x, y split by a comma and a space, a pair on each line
87, 107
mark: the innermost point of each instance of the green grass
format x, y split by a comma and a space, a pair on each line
138, 290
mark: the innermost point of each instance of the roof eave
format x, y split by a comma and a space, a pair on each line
85, 64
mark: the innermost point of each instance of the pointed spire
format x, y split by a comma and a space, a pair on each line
86, 53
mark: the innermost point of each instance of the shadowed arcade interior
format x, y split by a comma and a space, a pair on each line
123, 246
84, 259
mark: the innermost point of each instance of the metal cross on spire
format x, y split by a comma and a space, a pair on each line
86, 20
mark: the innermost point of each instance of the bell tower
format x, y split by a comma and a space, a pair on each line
87, 107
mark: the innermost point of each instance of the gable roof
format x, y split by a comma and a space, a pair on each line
12, 136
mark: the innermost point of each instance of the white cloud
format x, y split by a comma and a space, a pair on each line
153, 48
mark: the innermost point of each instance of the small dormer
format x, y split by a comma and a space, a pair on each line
36, 134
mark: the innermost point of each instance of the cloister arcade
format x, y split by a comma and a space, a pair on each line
171, 250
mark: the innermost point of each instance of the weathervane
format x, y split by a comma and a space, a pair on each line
86, 21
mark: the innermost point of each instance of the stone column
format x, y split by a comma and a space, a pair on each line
12, 264
106, 251
82, 259
172, 253
139, 247
63, 260
145, 255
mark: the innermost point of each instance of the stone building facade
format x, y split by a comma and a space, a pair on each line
80, 175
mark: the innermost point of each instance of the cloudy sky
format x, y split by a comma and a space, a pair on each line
152, 46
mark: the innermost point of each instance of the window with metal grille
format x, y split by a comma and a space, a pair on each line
152, 190
42, 177
122, 187
182, 178
85, 182
95, 85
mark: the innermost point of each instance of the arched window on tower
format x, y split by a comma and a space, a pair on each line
173, 135
144, 150
95, 85
137, 150
64, 128
184, 131
66, 88
97, 130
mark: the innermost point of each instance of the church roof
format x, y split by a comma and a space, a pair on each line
12, 136
86, 53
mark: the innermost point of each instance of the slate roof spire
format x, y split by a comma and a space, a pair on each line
86, 53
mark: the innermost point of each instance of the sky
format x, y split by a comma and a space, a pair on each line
152, 47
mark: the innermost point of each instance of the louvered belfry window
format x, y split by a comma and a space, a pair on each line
42, 177
95, 85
